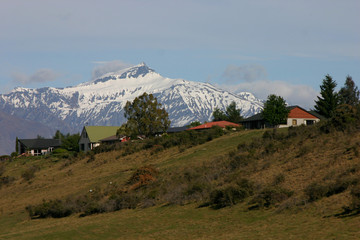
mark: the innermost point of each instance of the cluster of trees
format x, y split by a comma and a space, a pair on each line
147, 117
68, 141
275, 111
231, 114
330, 100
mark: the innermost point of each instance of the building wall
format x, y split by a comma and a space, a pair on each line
84, 142
299, 121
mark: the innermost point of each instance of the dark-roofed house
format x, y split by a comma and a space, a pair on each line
36, 147
297, 116
91, 136
222, 124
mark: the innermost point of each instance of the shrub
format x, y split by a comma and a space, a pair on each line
123, 200
340, 185
278, 179
316, 191
6, 180
51, 208
270, 196
91, 155
355, 197
142, 176
93, 207
231, 194
227, 196
29, 173
2, 169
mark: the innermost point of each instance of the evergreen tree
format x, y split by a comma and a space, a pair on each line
329, 100
219, 115
232, 114
275, 111
58, 135
194, 124
349, 94
70, 142
145, 116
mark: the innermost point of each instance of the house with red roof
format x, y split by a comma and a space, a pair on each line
297, 116
222, 124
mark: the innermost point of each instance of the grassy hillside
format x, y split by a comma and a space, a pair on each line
246, 184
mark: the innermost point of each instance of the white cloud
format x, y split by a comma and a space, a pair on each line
294, 94
40, 76
253, 78
104, 67
248, 73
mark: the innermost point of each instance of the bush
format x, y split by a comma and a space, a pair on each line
227, 196
270, 196
355, 197
278, 179
316, 191
91, 155
29, 173
142, 176
6, 180
52, 208
231, 194
61, 153
2, 169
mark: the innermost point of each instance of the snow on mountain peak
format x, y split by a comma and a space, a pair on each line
136, 71
101, 102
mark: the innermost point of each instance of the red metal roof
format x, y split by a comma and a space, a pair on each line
221, 124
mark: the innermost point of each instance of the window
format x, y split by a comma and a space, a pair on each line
294, 122
310, 122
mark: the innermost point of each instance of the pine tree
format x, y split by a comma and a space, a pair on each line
275, 111
329, 99
219, 115
232, 114
145, 116
349, 94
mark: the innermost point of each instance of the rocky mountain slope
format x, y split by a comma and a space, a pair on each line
101, 101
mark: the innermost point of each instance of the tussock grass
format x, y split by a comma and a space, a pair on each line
280, 169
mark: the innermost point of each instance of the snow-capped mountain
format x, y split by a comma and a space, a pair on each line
101, 101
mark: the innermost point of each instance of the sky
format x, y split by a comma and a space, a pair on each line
264, 47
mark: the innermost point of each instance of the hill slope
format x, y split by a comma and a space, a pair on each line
12, 127
285, 172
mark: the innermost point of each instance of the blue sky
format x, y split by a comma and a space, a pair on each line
264, 47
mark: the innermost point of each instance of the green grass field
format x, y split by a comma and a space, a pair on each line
183, 222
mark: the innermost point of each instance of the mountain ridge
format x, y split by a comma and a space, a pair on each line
101, 101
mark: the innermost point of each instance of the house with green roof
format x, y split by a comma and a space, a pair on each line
91, 136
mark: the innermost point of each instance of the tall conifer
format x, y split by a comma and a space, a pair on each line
329, 99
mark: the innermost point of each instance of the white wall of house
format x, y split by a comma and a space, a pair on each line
299, 121
38, 152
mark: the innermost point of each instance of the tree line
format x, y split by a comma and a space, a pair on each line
146, 116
